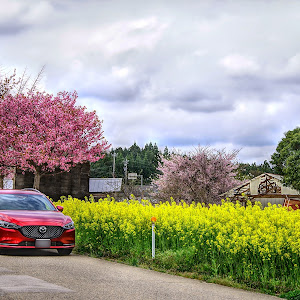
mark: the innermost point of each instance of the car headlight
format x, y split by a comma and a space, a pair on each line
8, 225
69, 226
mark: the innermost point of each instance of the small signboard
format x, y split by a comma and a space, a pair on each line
132, 176
8, 184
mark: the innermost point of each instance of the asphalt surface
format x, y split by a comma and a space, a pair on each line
42, 274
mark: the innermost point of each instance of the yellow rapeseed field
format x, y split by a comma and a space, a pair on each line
259, 247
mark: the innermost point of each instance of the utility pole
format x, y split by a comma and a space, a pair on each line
114, 163
125, 169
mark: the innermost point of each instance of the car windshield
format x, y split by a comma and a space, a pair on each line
25, 202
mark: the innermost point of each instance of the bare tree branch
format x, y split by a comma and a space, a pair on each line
37, 80
11, 84
23, 81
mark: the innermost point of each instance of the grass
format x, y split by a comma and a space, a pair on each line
292, 295
229, 244
170, 263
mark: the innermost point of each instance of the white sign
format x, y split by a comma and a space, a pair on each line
132, 176
8, 184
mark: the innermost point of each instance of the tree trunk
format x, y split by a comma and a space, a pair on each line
37, 179
1, 181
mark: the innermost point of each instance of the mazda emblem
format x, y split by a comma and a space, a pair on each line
42, 229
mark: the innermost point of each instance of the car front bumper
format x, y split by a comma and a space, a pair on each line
12, 238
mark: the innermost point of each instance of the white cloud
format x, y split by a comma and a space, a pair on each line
123, 36
38, 12
120, 72
180, 74
293, 65
10, 9
237, 64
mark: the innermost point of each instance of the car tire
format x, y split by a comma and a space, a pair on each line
64, 252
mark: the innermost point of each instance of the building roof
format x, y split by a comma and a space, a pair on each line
266, 183
276, 176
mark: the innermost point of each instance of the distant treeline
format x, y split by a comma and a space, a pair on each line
145, 161
248, 171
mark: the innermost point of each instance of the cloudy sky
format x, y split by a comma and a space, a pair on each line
178, 73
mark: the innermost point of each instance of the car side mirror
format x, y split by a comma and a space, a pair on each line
60, 208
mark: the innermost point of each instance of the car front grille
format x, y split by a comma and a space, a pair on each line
35, 232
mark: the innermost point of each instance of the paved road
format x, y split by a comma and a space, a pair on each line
42, 274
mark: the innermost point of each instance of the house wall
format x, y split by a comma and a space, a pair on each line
254, 183
74, 183
288, 191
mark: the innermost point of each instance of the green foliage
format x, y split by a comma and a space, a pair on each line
247, 171
229, 242
181, 260
166, 153
292, 295
102, 168
286, 158
143, 161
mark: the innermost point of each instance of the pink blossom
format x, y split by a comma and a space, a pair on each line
46, 133
200, 176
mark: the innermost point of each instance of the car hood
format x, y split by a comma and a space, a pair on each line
26, 217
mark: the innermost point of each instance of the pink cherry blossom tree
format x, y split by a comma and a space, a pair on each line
7, 141
46, 133
200, 176
12, 84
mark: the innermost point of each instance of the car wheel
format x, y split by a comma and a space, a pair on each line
64, 252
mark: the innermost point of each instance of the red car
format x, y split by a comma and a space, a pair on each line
28, 219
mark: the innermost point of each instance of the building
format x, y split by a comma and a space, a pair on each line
265, 188
105, 185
